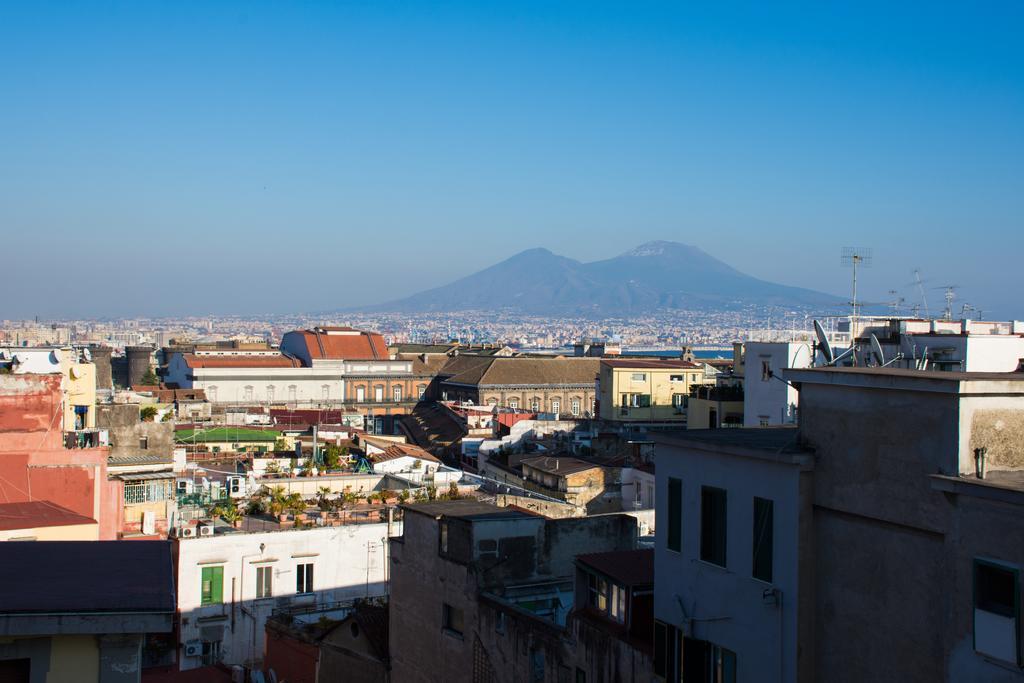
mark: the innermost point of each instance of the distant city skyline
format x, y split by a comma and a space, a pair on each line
244, 158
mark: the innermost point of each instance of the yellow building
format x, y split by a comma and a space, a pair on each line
646, 390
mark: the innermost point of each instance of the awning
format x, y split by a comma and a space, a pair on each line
146, 476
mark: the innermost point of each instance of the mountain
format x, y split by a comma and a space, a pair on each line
651, 277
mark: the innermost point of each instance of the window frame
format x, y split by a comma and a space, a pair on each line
264, 581
215, 596
1014, 571
452, 619
719, 534
304, 573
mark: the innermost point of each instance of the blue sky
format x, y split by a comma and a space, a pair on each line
189, 157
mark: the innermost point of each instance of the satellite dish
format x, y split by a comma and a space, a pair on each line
823, 345
876, 351
87, 355
54, 357
76, 373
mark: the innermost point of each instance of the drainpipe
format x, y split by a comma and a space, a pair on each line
979, 461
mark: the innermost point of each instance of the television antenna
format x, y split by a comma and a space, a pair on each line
919, 283
949, 296
855, 257
895, 302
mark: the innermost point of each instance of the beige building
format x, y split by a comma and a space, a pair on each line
646, 390
584, 484
562, 386
713, 407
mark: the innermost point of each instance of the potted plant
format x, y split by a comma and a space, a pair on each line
323, 498
295, 505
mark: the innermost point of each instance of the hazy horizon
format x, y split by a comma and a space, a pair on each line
169, 160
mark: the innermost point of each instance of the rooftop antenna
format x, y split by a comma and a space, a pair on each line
855, 257
949, 295
895, 303
919, 283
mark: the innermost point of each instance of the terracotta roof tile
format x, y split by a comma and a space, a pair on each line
349, 345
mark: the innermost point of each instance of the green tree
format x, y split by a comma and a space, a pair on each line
147, 413
149, 378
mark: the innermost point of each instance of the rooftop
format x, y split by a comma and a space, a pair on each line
49, 587
464, 509
767, 439
279, 361
38, 513
625, 567
651, 364
556, 465
401, 450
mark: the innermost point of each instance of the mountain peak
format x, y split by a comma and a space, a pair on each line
658, 248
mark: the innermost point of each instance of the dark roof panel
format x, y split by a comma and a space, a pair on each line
86, 576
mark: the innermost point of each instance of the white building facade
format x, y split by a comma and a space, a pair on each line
255, 379
767, 400
229, 583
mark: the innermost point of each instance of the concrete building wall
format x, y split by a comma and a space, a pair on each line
72, 532
127, 431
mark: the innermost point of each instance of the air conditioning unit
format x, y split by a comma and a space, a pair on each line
186, 532
206, 530
193, 648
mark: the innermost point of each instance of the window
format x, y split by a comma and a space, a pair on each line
574, 407
639, 377
675, 378
762, 420
211, 652
378, 425
721, 665
147, 491
211, 392
270, 393
264, 579
675, 514
636, 400
764, 538
997, 611
360, 394
766, 370
712, 525
421, 391
597, 592
247, 394
304, 578
212, 586
617, 607
325, 391
678, 401
513, 403
488, 548
667, 651
451, 618
556, 406
143, 443
292, 391
443, 538
396, 394
581, 675
378, 393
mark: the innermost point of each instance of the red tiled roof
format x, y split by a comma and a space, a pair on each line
281, 361
352, 345
626, 567
38, 513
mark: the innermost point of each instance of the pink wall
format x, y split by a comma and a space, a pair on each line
34, 465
